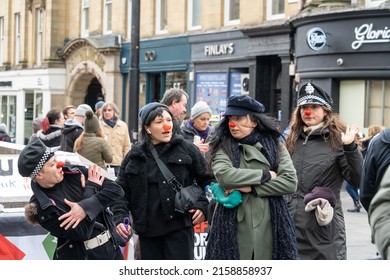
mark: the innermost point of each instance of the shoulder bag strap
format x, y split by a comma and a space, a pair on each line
165, 171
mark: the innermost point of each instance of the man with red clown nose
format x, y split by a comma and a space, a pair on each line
324, 153
246, 156
70, 202
163, 233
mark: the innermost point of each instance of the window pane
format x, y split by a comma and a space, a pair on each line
196, 12
163, 14
234, 12
277, 7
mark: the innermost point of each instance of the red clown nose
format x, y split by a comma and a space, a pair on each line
232, 124
60, 164
167, 127
307, 112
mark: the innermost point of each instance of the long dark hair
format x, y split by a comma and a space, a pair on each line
144, 137
266, 125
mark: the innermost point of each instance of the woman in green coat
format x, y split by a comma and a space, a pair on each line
247, 156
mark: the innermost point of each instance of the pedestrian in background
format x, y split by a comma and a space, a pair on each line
51, 128
69, 112
4, 133
373, 130
91, 143
247, 157
376, 161
197, 129
116, 134
73, 128
324, 155
163, 233
98, 108
36, 125
176, 100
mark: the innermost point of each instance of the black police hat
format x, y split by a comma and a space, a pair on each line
310, 93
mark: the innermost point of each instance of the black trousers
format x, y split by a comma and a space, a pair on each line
177, 245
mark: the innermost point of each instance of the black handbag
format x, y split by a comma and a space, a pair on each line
190, 197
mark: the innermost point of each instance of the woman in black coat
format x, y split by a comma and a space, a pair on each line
163, 233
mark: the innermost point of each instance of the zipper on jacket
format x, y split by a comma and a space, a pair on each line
304, 142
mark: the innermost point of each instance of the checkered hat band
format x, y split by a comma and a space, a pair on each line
305, 98
41, 163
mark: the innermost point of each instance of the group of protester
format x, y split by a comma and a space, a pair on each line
273, 199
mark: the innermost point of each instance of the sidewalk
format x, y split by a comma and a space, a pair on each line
359, 246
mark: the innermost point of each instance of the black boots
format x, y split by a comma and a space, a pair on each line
356, 208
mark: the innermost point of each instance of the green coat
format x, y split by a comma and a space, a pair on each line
254, 219
379, 217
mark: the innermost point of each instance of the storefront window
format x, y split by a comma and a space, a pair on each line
377, 103
176, 80
8, 114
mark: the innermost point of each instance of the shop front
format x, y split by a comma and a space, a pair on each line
347, 53
163, 64
26, 95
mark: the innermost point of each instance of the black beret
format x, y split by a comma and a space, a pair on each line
33, 157
321, 192
145, 111
310, 93
241, 105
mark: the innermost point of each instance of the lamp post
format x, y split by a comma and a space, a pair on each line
133, 95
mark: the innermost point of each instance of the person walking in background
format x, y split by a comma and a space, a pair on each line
324, 154
354, 194
4, 133
116, 134
98, 108
70, 202
36, 125
91, 143
163, 233
176, 100
69, 112
73, 128
51, 128
247, 157
376, 161
197, 129
373, 130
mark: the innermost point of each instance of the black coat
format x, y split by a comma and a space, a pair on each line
183, 159
70, 133
376, 161
94, 199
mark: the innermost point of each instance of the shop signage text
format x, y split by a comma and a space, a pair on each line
222, 49
5, 83
365, 34
316, 38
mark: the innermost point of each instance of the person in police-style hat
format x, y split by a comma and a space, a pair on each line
324, 153
69, 202
246, 156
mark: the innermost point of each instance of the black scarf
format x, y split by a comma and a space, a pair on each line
222, 243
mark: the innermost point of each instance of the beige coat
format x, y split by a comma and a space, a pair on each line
118, 139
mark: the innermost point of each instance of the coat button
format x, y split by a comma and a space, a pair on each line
168, 199
71, 246
179, 160
171, 217
164, 182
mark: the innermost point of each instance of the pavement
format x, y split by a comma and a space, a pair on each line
359, 246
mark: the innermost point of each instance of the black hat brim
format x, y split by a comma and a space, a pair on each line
237, 111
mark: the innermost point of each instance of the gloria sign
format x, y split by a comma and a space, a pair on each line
366, 34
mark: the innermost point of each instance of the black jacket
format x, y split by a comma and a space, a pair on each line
71, 131
183, 159
94, 199
376, 161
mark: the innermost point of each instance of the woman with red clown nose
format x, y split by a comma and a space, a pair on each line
69, 201
163, 233
324, 154
246, 156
